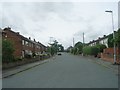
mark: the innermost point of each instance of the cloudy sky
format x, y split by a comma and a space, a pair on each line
60, 20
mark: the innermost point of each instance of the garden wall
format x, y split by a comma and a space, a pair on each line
22, 62
108, 55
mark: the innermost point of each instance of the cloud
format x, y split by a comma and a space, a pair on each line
61, 20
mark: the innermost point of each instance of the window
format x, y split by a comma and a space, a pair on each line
26, 43
23, 42
30, 44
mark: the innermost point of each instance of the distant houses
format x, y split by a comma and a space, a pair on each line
107, 53
101, 40
22, 45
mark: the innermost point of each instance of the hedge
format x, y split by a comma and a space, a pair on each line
91, 50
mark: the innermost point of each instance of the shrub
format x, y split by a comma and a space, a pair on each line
17, 59
33, 54
7, 51
91, 50
110, 40
28, 56
101, 47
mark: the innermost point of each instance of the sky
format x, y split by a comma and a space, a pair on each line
60, 20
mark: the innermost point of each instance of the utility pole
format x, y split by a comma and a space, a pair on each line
73, 42
83, 39
83, 42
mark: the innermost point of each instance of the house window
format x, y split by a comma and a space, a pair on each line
23, 42
26, 43
30, 44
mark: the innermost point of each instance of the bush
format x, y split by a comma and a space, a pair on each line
86, 50
101, 47
7, 51
110, 41
28, 56
91, 50
33, 54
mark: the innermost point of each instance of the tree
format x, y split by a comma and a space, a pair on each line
69, 49
7, 51
110, 40
117, 38
60, 48
55, 47
101, 47
77, 49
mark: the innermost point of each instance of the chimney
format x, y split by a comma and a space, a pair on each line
104, 35
18, 32
34, 40
9, 28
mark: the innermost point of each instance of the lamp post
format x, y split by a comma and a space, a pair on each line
113, 36
83, 39
73, 42
83, 43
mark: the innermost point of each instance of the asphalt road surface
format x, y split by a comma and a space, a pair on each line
65, 71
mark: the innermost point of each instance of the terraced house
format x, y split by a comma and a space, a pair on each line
23, 46
107, 53
100, 40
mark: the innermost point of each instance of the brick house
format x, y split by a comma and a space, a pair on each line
22, 44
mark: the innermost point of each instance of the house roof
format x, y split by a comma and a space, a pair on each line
99, 39
25, 38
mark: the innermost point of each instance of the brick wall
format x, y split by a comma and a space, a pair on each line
108, 55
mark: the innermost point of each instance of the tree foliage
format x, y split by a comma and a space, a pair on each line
55, 47
101, 47
60, 48
77, 49
7, 51
117, 38
110, 40
69, 49
91, 50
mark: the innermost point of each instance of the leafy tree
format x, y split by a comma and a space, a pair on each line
117, 38
101, 47
110, 40
7, 51
77, 49
55, 47
69, 49
60, 48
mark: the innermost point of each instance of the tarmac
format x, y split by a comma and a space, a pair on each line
10, 72
107, 64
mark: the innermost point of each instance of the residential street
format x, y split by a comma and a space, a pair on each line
64, 71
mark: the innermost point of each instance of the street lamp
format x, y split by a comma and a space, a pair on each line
113, 35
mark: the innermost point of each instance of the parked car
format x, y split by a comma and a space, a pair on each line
59, 54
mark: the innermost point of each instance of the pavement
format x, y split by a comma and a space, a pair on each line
10, 72
104, 63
